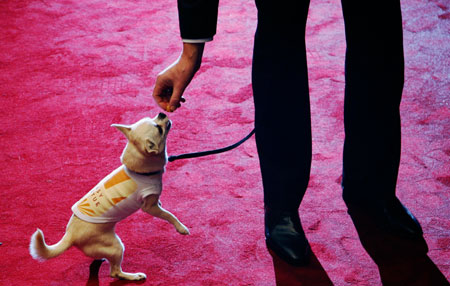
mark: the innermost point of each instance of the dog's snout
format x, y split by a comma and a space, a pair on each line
161, 116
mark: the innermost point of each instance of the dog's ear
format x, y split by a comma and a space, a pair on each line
125, 129
150, 147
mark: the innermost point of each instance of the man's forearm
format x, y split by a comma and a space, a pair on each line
193, 52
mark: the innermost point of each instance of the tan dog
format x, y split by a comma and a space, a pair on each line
136, 184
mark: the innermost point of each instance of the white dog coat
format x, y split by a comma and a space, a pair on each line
117, 196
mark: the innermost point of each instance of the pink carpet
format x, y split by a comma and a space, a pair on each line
69, 69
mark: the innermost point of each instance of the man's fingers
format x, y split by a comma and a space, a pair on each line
167, 98
157, 90
162, 93
169, 88
175, 99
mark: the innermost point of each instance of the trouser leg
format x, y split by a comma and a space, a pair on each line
374, 73
281, 96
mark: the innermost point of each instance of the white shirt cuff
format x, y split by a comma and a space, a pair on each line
197, 41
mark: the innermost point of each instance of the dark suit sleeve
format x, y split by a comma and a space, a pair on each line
198, 18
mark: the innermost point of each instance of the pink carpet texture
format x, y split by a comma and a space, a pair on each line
70, 69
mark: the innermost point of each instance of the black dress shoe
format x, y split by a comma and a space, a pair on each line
387, 229
392, 216
285, 236
401, 221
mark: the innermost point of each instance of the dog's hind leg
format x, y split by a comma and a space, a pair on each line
114, 255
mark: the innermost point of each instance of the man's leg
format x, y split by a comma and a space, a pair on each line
282, 121
374, 73
374, 82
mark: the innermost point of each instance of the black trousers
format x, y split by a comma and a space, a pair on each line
374, 74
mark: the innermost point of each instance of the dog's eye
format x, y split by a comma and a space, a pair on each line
159, 129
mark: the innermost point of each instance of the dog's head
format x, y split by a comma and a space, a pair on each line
146, 146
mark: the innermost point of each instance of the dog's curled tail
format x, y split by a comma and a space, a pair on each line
39, 250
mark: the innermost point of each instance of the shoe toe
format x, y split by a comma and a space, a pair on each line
401, 221
288, 241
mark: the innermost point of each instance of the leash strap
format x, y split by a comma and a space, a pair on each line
210, 152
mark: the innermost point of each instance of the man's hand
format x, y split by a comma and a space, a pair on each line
171, 82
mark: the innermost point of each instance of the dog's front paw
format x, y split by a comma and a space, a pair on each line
140, 276
181, 228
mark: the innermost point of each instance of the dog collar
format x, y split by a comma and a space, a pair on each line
143, 174
148, 174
